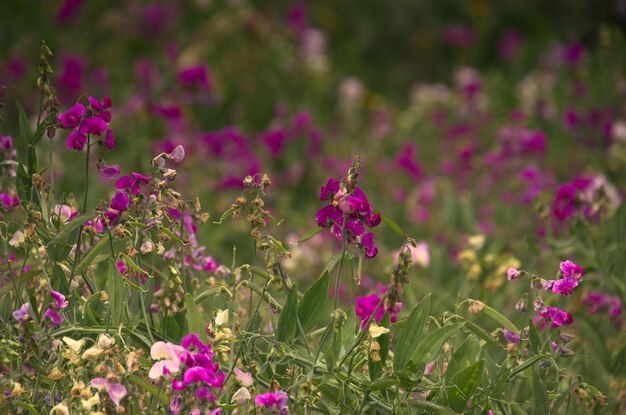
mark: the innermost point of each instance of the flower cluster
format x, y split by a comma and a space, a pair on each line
570, 275
84, 121
276, 400
610, 303
347, 214
199, 376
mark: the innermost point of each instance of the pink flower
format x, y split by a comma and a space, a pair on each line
59, 300
120, 201
55, 318
109, 140
71, 118
555, 317
277, 399
9, 202
93, 126
512, 274
22, 313
109, 172
115, 390
569, 269
76, 140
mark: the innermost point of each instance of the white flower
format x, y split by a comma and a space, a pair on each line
241, 396
221, 318
376, 331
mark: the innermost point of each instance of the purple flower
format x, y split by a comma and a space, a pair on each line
277, 399
71, 118
120, 201
22, 313
109, 172
569, 269
59, 300
512, 274
564, 285
9, 202
510, 336
76, 140
368, 245
133, 182
100, 106
555, 317
54, 317
195, 76
109, 140
115, 390
93, 126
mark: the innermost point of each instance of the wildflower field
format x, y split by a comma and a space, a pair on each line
221, 207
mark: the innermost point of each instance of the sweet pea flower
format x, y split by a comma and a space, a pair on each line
277, 399
241, 396
55, 318
93, 126
555, 317
9, 202
22, 313
116, 391
120, 201
244, 377
569, 269
109, 172
109, 140
76, 140
71, 118
59, 300
512, 273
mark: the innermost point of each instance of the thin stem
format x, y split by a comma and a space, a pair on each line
343, 255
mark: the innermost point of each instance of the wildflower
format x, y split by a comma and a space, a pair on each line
75, 346
120, 201
54, 317
18, 239
116, 391
22, 313
571, 275
569, 269
71, 118
365, 306
510, 336
59, 300
277, 399
241, 396
555, 317
60, 409
9, 202
376, 331
109, 140
244, 377
170, 355
76, 140
512, 274
108, 172
93, 125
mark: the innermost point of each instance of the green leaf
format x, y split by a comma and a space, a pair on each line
410, 334
540, 396
60, 280
462, 386
427, 348
393, 225
464, 356
497, 316
171, 235
129, 261
313, 303
24, 184
25, 130
27, 407
195, 322
64, 233
310, 234
534, 338
229, 212
384, 383
287, 322
411, 375
117, 292
58, 252
90, 257
376, 368
149, 387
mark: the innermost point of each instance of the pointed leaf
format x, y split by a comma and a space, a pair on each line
540, 396
195, 322
410, 334
464, 356
67, 229
313, 303
117, 292
463, 385
310, 234
428, 348
90, 257
287, 321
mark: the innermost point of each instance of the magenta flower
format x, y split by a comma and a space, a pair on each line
120, 201
116, 391
76, 140
277, 399
59, 300
100, 106
195, 76
22, 313
512, 274
93, 126
510, 336
357, 212
569, 269
55, 318
365, 305
133, 182
555, 317
109, 140
9, 202
109, 172
71, 118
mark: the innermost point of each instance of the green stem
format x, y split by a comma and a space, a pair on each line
343, 255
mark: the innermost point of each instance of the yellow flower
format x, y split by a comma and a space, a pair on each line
75, 346
221, 318
60, 409
376, 331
